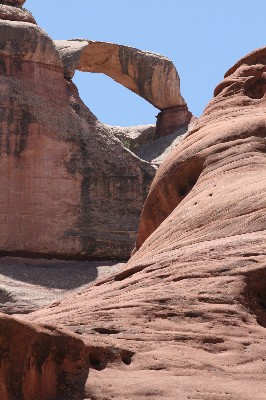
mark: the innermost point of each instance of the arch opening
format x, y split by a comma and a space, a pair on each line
112, 103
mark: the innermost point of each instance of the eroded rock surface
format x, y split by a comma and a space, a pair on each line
29, 284
189, 308
40, 362
17, 3
68, 187
186, 317
7, 12
152, 76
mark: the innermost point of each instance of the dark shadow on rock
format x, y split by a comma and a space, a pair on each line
154, 149
56, 274
255, 292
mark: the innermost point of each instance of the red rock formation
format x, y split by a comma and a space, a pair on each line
189, 308
151, 76
186, 317
40, 362
231, 132
170, 119
68, 186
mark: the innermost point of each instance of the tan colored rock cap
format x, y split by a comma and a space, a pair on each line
18, 3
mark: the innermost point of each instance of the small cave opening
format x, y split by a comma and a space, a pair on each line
257, 89
97, 362
126, 356
255, 294
187, 177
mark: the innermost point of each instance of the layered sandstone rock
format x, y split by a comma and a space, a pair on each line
232, 132
68, 187
188, 311
147, 74
150, 75
186, 317
40, 362
7, 12
17, 3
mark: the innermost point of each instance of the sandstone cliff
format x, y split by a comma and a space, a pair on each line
186, 317
68, 186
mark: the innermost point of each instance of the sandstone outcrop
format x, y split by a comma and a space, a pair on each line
7, 12
233, 123
17, 3
150, 75
188, 310
147, 74
40, 362
68, 187
186, 317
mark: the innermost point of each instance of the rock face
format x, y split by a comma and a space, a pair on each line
68, 187
17, 3
188, 311
186, 317
232, 124
50, 364
7, 12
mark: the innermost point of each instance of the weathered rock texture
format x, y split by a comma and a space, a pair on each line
10, 13
17, 3
149, 75
68, 187
227, 147
40, 363
188, 311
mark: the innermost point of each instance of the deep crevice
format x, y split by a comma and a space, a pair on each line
128, 273
106, 331
255, 294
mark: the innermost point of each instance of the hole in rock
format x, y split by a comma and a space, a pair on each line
185, 178
182, 192
257, 89
213, 340
5, 297
255, 294
193, 314
126, 357
111, 102
163, 301
106, 331
96, 362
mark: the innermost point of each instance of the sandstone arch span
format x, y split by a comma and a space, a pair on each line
151, 76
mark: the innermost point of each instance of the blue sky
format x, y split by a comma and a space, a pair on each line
202, 37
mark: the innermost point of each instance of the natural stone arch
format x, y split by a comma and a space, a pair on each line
151, 76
